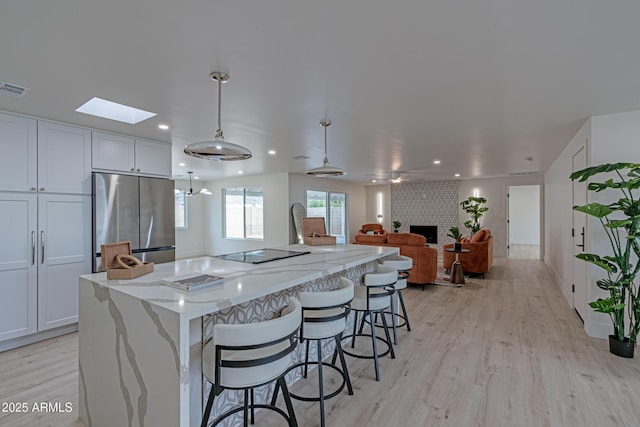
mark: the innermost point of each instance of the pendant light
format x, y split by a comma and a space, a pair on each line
218, 149
326, 169
191, 193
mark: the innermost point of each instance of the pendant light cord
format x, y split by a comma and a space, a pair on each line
326, 157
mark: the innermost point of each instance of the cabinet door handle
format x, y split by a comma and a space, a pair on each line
33, 247
42, 246
33, 188
41, 188
582, 234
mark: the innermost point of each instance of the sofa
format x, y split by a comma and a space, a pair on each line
374, 228
425, 258
480, 257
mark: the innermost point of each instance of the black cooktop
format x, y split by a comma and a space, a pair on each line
259, 256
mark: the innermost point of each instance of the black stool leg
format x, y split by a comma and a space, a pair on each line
306, 359
386, 332
320, 383
394, 309
339, 352
253, 410
245, 412
275, 394
355, 325
404, 310
375, 346
287, 400
207, 410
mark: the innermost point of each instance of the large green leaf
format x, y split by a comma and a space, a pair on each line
594, 209
599, 261
617, 223
606, 305
584, 174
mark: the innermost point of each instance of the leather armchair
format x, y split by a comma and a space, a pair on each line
480, 257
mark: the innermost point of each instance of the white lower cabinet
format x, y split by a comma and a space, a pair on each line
18, 269
46, 246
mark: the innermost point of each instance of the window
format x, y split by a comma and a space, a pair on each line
181, 208
333, 208
243, 213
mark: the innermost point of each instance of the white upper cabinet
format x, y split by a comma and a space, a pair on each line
18, 145
64, 159
153, 157
113, 152
121, 153
44, 156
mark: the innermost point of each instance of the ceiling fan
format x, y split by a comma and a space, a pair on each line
201, 191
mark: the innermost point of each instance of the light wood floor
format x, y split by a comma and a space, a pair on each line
503, 351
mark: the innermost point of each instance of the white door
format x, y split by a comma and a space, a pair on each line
578, 162
18, 145
18, 271
64, 253
64, 158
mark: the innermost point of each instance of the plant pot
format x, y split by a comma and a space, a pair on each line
621, 348
395, 231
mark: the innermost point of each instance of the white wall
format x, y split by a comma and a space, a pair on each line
379, 194
524, 215
558, 213
190, 241
495, 219
356, 199
608, 139
276, 214
614, 138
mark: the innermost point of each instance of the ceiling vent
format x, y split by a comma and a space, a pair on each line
13, 90
525, 173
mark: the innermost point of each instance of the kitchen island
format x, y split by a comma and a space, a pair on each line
140, 341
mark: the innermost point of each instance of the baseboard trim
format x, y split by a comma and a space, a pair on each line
39, 336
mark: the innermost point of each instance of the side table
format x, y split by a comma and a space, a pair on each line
457, 275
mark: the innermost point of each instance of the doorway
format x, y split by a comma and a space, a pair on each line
524, 222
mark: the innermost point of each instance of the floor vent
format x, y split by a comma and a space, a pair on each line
13, 90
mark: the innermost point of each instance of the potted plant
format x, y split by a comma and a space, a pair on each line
455, 234
473, 207
396, 226
621, 222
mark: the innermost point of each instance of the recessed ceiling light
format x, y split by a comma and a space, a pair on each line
396, 180
457, 175
240, 172
436, 162
272, 152
374, 180
162, 126
196, 177
182, 164
112, 110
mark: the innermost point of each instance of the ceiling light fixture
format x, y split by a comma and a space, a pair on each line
218, 149
436, 162
326, 169
191, 193
162, 126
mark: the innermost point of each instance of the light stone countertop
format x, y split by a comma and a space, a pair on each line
243, 281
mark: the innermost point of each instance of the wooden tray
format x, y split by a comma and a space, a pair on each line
314, 232
114, 271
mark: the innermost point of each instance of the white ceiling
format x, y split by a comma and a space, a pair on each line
480, 85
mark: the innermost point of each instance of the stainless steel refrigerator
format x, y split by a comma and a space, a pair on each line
136, 209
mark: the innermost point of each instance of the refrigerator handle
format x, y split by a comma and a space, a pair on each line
33, 247
42, 246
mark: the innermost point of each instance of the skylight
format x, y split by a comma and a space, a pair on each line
114, 111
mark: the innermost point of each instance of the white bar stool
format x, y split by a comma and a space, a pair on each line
324, 316
403, 264
241, 357
373, 297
